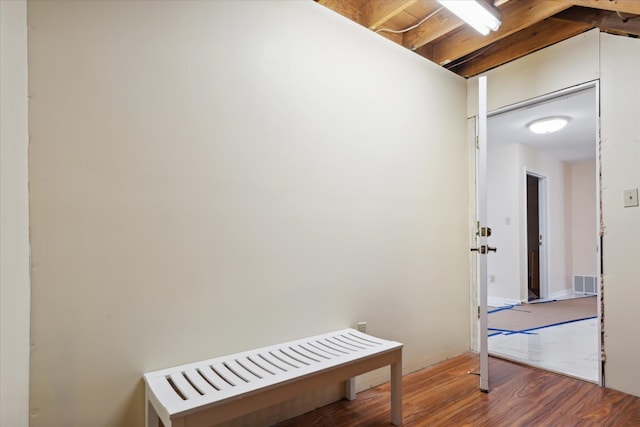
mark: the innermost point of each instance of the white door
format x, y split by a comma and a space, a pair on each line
483, 232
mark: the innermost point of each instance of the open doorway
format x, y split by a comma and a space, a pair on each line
534, 238
543, 192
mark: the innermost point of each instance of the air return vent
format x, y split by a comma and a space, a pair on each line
585, 284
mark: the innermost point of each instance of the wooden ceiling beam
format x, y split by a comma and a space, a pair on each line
377, 12
531, 39
347, 8
394, 37
425, 51
626, 6
527, 26
441, 23
516, 16
604, 19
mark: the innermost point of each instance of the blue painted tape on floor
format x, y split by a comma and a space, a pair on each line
508, 307
529, 331
559, 323
509, 331
523, 332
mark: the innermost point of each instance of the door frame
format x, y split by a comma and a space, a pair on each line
598, 188
543, 222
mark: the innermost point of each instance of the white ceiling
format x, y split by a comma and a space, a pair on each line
575, 143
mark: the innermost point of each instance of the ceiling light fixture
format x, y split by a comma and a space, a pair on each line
548, 125
476, 13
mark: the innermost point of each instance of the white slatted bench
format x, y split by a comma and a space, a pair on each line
216, 390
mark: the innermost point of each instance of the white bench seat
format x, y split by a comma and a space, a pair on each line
216, 390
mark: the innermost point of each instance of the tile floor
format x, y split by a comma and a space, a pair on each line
570, 349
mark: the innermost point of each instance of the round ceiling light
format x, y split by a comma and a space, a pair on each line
548, 125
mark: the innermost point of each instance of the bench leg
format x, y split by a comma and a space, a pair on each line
350, 389
396, 393
152, 419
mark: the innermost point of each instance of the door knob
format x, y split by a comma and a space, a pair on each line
484, 249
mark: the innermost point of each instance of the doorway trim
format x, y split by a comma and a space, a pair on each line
548, 97
599, 223
543, 221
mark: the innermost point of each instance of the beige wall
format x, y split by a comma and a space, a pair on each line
503, 213
583, 219
14, 217
616, 61
209, 177
507, 194
558, 255
556, 67
620, 103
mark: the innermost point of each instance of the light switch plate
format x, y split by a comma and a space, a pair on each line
631, 198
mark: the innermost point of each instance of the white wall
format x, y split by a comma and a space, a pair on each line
507, 192
503, 215
562, 65
616, 61
620, 104
555, 175
583, 219
209, 177
14, 217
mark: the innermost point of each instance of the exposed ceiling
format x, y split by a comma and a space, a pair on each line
527, 26
576, 142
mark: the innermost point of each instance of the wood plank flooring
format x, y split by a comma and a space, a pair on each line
447, 395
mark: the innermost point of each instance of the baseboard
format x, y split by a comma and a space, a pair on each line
563, 294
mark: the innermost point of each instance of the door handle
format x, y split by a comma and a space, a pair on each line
484, 249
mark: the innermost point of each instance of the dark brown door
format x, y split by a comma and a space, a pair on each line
533, 236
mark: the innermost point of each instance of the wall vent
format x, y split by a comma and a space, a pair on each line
585, 284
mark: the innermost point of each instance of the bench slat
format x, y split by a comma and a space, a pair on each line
331, 346
357, 342
199, 382
213, 378
322, 349
367, 340
303, 352
277, 365
263, 366
346, 340
341, 346
289, 357
242, 371
228, 375
253, 370
185, 388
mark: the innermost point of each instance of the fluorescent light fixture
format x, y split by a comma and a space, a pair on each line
476, 13
548, 125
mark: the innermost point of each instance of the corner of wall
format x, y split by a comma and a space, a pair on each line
620, 154
14, 217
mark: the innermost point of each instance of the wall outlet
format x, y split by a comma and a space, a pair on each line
362, 327
631, 198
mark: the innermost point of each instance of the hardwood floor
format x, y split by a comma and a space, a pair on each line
447, 395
